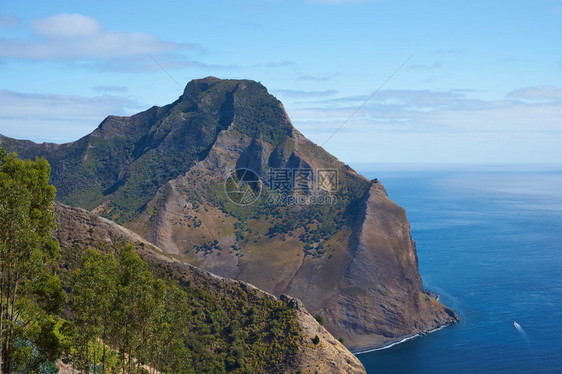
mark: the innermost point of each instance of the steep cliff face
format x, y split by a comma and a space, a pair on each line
78, 227
381, 285
163, 173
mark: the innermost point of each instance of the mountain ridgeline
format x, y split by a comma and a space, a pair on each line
122, 164
161, 173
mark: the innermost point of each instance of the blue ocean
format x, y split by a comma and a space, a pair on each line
489, 242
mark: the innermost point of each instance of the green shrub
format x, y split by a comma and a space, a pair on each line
319, 319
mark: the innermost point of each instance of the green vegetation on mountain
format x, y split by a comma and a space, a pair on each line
118, 315
89, 242
277, 219
146, 320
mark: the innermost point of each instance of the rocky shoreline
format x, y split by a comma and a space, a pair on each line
405, 338
400, 340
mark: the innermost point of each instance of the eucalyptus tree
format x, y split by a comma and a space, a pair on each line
29, 287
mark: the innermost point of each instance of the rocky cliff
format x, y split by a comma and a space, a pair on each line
164, 174
381, 283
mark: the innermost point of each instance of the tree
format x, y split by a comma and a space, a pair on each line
319, 319
316, 339
172, 354
29, 287
140, 299
93, 294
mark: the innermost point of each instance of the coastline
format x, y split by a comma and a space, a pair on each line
399, 340
405, 338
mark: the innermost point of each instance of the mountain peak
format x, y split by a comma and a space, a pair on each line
202, 84
196, 87
123, 162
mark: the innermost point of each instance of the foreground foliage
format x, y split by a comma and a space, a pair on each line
100, 307
30, 291
172, 328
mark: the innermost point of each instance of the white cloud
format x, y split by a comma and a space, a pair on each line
67, 26
537, 93
441, 126
419, 110
56, 118
469, 147
66, 37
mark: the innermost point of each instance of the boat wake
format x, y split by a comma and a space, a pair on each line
524, 335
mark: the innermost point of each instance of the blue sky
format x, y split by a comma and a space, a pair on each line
483, 84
